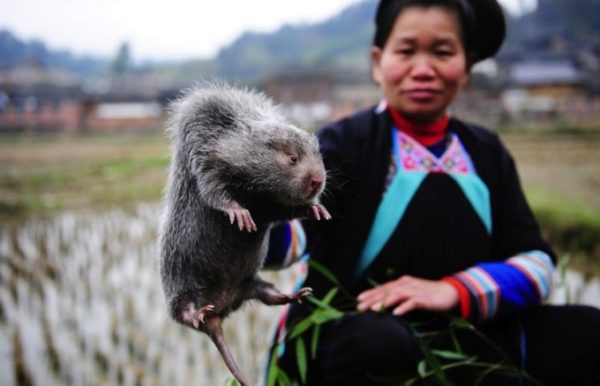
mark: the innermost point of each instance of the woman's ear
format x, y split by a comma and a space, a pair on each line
376, 65
464, 81
470, 62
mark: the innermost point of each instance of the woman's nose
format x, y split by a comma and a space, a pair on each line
422, 68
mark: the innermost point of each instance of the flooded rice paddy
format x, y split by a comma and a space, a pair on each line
81, 304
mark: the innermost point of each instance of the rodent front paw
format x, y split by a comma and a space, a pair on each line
318, 212
241, 216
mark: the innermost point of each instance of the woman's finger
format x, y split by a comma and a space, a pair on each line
369, 302
396, 297
405, 307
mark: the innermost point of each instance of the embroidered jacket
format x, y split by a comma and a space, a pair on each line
462, 217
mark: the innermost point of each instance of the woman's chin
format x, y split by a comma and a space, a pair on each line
421, 111
423, 115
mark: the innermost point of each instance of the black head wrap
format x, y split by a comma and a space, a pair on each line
482, 23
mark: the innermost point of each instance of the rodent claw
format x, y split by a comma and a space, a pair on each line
240, 221
241, 217
315, 210
249, 222
197, 316
302, 293
319, 211
324, 212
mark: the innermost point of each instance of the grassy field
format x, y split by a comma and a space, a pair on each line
39, 175
561, 178
560, 174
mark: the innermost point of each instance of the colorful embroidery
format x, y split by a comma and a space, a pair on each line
414, 157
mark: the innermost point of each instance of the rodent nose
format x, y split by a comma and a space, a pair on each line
315, 184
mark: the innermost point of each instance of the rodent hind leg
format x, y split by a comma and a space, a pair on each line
193, 316
268, 294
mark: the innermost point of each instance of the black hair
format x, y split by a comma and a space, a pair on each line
482, 23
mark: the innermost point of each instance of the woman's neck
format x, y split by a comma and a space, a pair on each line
425, 133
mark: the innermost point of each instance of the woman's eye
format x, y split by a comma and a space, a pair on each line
404, 51
444, 53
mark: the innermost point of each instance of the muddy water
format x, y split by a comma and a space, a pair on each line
81, 304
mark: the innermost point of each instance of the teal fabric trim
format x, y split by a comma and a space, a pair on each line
478, 195
401, 191
389, 213
390, 210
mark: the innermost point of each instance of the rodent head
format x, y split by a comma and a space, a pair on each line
253, 148
297, 171
274, 158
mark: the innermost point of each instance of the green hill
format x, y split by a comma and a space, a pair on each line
341, 43
566, 29
557, 28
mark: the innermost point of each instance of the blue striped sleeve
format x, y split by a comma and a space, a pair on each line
287, 244
538, 267
503, 288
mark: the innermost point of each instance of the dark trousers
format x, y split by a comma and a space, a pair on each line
558, 345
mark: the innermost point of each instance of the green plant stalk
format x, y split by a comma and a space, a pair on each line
429, 367
489, 368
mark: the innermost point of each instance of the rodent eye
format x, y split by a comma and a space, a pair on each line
293, 159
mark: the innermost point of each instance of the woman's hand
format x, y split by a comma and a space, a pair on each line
409, 293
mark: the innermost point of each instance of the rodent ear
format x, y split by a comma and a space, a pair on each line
219, 115
272, 144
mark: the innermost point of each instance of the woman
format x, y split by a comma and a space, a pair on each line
430, 220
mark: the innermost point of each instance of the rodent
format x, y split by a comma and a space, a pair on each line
237, 167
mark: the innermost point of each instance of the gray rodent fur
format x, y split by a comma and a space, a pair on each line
237, 167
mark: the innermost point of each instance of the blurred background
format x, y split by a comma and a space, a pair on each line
84, 88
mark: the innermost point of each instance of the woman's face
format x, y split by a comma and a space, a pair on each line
422, 65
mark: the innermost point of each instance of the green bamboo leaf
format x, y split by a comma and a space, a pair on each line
450, 354
326, 315
455, 341
283, 379
314, 341
422, 368
330, 295
323, 271
433, 362
468, 362
461, 323
301, 358
321, 304
487, 372
304, 325
322, 314
273, 369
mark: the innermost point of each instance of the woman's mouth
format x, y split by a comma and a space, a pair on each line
421, 94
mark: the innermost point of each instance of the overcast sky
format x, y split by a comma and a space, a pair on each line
173, 29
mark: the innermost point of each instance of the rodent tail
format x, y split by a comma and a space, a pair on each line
214, 330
